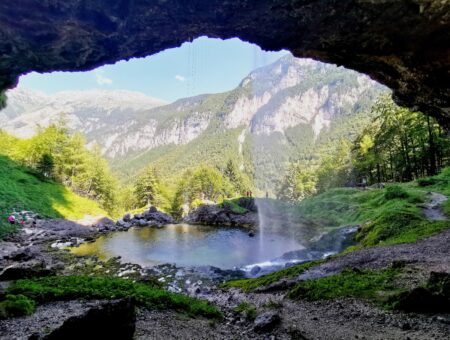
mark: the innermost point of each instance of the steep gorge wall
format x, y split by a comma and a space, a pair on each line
404, 44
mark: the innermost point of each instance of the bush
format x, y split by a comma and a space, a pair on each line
16, 305
394, 192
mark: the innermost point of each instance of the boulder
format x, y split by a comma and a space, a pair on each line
74, 320
126, 218
142, 223
23, 254
25, 270
266, 322
105, 224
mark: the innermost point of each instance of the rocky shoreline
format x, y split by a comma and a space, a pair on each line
37, 251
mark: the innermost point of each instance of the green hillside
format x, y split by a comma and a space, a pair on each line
269, 146
22, 189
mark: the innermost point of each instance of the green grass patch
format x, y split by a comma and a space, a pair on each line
375, 286
388, 216
56, 288
21, 189
16, 305
248, 285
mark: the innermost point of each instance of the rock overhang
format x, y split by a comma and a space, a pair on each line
404, 44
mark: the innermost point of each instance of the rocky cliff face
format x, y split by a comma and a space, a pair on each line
401, 43
91, 112
270, 100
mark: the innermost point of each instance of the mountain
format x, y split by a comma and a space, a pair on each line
286, 111
91, 112
282, 112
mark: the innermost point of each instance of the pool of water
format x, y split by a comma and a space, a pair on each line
190, 245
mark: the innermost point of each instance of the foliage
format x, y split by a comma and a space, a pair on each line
364, 284
45, 165
203, 183
248, 285
56, 154
24, 189
239, 180
297, 184
16, 305
399, 145
146, 187
56, 288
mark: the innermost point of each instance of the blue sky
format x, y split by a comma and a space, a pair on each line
203, 66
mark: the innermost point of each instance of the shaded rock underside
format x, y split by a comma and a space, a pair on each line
401, 43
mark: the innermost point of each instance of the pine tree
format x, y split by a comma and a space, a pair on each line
45, 166
147, 187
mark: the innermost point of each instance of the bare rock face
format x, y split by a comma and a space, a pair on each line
401, 43
73, 320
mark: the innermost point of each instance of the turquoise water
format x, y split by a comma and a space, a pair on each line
190, 245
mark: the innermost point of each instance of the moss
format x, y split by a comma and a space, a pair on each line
248, 285
90, 287
16, 305
370, 285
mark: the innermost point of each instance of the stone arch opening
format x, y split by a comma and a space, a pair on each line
403, 44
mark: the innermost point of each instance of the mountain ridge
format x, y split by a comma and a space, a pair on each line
288, 105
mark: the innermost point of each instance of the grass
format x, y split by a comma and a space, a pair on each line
16, 305
21, 189
56, 288
233, 204
387, 216
247, 309
375, 286
248, 285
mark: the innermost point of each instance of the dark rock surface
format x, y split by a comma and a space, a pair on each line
266, 322
401, 43
74, 320
150, 217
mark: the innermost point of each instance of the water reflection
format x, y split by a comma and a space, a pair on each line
189, 245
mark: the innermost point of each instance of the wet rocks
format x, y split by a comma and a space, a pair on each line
266, 322
151, 217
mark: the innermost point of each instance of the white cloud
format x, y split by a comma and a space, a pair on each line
180, 78
101, 79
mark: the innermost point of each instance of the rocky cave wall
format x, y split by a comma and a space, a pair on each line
404, 44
